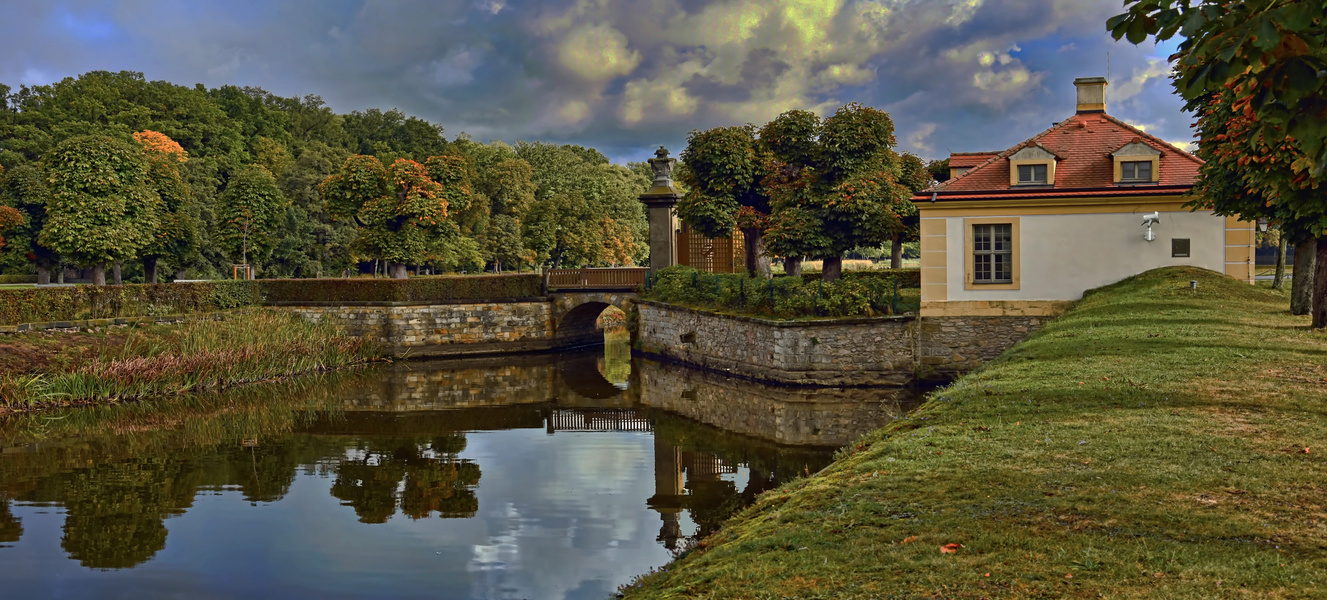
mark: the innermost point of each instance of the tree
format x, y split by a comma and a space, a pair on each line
564, 230
835, 184
23, 188
101, 206
938, 169
723, 176
1251, 72
402, 213
175, 237
251, 209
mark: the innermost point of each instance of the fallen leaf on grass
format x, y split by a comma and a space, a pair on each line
908, 540
1068, 575
950, 548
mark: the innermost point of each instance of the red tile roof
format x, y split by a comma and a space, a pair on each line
1083, 143
959, 160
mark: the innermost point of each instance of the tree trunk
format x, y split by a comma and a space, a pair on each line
831, 268
1320, 286
1301, 286
43, 275
99, 274
150, 269
397, 270
179, 274
896, 252
1278, 280
792, 266
757, 261
116, 271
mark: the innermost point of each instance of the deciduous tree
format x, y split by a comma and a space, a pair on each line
23, 188
1251, 71
251, 209
176, 232
102, 207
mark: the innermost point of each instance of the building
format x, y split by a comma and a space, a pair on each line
1088, 202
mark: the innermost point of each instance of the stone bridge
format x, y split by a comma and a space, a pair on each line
573, 314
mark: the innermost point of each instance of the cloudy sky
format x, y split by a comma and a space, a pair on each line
624, 76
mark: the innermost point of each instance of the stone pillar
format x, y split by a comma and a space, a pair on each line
660, 202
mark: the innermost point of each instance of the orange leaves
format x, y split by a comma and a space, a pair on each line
950, 548
159, 144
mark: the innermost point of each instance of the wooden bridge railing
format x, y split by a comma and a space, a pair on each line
625, 278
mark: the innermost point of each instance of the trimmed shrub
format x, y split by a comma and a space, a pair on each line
18, 279
784, 297
907, 278
70, 303
418, 289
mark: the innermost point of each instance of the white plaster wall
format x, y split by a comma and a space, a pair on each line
1063, 256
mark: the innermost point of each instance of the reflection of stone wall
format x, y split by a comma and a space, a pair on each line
445, 329
453, 384
794, 416
870, 351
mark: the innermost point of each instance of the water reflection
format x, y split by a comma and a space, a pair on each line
372, 482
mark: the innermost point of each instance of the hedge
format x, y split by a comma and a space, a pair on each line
783, 297
69, 303
907, 278
417, 289
18, 279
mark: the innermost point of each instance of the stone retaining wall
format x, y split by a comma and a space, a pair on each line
888, 351
445, 329
950, 346
827, 352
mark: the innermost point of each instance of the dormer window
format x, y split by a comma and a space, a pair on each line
1032, 174
1033, 165
1136, 163
1135, 171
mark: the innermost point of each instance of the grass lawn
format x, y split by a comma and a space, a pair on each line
1151, 443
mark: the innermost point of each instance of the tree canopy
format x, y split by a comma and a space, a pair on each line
219, 134
1252, 72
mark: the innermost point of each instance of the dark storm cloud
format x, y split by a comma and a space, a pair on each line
623, 76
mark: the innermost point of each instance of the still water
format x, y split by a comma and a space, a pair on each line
531, 477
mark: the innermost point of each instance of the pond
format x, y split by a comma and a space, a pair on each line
521, 477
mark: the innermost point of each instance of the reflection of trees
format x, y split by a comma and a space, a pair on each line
418, 478
11, 527
114, 512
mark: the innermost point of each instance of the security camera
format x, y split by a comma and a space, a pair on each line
1148, 220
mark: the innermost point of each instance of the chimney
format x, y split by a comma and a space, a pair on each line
1091, 94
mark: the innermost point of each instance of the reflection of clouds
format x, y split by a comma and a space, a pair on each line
565, 514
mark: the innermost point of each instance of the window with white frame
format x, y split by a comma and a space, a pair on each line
993, 253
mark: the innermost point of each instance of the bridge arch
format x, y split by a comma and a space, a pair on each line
574, 315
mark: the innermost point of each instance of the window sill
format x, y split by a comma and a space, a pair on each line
1135, 183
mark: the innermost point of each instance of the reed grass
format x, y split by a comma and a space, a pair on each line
159, 361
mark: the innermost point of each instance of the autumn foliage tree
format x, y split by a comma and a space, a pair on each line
102, 207
176, 233
10, 217
1252, 72
24, 189
401, 212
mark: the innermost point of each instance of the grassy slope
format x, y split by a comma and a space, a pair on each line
1149, 443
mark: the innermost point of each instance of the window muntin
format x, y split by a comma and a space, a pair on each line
1031, 174
993, 253
1131, 170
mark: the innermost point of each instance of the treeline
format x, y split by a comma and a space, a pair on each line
110, 169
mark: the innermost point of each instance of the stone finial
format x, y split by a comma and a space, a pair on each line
663, 167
